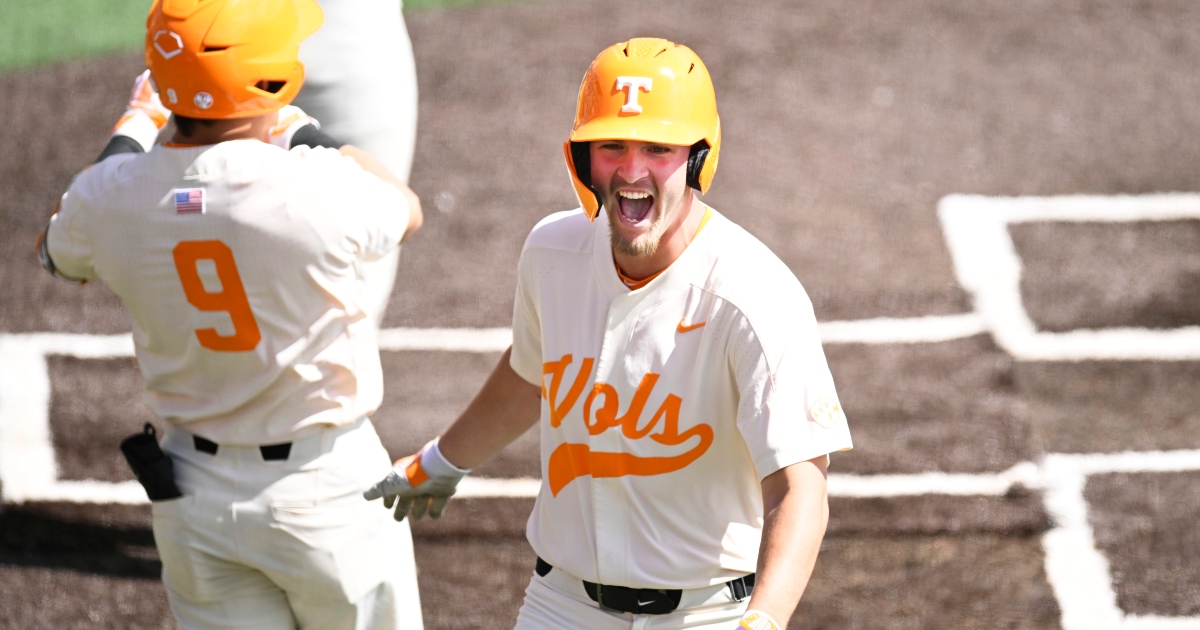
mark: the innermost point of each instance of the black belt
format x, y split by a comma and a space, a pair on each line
270, 452
646, 601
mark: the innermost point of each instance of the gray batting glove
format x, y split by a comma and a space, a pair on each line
419, 483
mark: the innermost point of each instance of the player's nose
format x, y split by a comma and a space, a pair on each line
632, 167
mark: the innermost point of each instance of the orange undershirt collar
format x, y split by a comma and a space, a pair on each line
180, 145
634, 285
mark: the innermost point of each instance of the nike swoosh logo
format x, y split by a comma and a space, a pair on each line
685, 328
641, 603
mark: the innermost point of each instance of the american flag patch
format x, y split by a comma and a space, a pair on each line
189, 201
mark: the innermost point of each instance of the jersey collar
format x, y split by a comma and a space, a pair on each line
678, 275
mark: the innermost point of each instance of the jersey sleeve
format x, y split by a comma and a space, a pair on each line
526, 358
373, 212
66, 250
788, 408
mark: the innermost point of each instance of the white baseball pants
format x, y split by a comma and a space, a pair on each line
558, 601
285, 544
361, 84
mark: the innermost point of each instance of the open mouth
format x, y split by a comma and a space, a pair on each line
634, 206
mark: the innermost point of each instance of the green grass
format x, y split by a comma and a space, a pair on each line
34, 32
37, 31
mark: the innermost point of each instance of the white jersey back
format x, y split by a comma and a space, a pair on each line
664, 407
236, 262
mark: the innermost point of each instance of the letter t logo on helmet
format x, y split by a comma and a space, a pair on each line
631, 85
649, 90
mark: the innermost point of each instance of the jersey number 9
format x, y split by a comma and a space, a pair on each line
231, 298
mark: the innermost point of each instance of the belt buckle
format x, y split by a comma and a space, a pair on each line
640, 601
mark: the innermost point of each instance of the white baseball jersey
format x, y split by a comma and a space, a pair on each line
236, 261
665, 406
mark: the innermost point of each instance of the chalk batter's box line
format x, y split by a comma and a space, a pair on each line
987, 265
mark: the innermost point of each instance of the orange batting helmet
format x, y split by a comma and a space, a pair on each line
228, 58
650, 90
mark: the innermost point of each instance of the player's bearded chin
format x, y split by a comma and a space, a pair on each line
644, 244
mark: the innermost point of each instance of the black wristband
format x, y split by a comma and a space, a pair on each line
310, 136
119, 144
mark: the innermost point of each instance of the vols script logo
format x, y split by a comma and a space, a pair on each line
600, 410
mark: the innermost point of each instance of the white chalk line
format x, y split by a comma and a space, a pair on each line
1077, 571
987, 265
887, 330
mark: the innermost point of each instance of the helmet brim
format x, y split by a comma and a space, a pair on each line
640, 128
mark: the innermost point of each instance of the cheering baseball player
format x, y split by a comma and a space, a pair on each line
235, 257
686, 408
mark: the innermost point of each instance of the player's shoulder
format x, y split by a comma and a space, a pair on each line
749, 276
744, 264
248, 157
106, 176
569, 231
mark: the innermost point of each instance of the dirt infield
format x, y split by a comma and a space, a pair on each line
1146, 523
1145, 275
843, 126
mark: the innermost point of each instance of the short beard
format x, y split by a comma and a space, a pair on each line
644, 245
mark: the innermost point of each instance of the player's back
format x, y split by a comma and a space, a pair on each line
236, 263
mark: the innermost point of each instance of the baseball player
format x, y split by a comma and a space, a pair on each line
235, 257
686, 409
361, 83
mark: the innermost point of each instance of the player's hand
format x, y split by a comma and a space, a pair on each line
144, 115
291, 119
757, 620
419, 483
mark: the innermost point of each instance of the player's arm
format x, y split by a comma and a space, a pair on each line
796, 511
294, 128
376, 168
503, 409
138, 127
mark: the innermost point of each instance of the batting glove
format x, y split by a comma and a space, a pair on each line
757, 620
144, 116
291, 120
419, 483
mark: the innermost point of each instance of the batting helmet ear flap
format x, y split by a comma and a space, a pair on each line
579, 163
695, 164
581, 159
